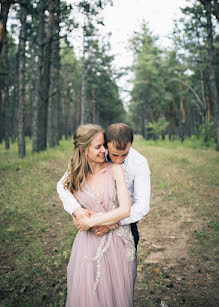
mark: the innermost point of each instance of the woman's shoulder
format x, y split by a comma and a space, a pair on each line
109, 165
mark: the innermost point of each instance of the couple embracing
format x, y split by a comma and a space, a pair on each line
107, 191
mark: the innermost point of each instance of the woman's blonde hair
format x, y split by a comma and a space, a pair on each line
78, 167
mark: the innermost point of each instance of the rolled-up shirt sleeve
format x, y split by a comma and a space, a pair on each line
70, 203
141, 194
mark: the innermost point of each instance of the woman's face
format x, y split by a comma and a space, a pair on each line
96, 150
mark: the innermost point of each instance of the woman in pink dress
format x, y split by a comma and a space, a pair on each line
102, 269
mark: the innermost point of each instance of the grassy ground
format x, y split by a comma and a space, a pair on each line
178, 237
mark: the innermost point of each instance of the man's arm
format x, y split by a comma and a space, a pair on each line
70, 203
72, 206
141, 194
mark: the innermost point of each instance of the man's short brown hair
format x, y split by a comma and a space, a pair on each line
119, 134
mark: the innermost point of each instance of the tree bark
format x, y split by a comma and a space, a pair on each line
216, 9
189, 120
214, 94
53, 136
93, 104
201, 74
208, 103
39, 99
174, 119
21, 80
66, 113
45, 85
183, 120
83, 91
4, 116
14, 98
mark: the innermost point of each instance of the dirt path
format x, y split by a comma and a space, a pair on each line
178, 238
171, 274
177, 250
177, 257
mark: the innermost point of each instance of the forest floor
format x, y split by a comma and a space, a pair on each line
177, 251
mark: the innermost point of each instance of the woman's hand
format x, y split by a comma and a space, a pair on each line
84, 223
78, 216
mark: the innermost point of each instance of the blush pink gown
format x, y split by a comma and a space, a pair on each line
101, 270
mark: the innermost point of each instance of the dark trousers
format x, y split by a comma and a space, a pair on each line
135, 233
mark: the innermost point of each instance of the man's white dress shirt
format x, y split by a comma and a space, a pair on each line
137, 175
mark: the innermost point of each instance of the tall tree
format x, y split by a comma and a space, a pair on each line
53, 99
38, 101
4, 118
147, 90
45, 85
214, 94
21, 79
91, 11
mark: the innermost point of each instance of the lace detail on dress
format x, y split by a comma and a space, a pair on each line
93, 196
115, 200
102, 248
124, 231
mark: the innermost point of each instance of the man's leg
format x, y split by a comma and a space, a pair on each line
135, 233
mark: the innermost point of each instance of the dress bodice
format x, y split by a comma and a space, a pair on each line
106, 201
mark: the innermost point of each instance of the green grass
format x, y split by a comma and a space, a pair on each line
191, 142
37, 234
187, 177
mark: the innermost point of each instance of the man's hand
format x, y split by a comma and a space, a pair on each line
75, 221
102, 230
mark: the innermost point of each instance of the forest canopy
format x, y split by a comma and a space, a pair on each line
48, 87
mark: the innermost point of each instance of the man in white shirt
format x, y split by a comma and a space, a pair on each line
118, 139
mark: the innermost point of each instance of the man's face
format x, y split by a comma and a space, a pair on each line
117, 156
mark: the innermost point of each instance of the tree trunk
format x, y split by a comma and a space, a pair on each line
214, 95
39, 99
189, 120
5, 6
183, 120
174, 119
201, 75
208, 103
53, 137
78, 110
216, 9
83, 91
45, 85
14, 98
93, 104
66, 113
21, 81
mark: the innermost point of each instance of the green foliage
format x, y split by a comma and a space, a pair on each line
208, 133
173, 83
205, 133
104, 105
146, 84
158, 129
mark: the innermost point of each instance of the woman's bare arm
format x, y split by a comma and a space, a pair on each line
115, 215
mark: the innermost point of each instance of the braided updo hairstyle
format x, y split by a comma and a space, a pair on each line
78, 167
